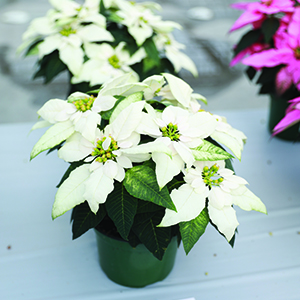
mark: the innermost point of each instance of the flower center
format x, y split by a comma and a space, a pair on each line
171, 131
114, 61
84, 104
210, 176
67, 31
267, 2
104, 149
297, 52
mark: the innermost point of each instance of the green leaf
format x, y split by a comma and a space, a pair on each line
228, 165
113, 17
247, 40
148, 64
102, 8
53, 137
268, 75
146, 206
33, 49
133, 239
153, 59
156, 239
50, 66
125, 103
84, 219
174, 184
140, 182
210, 152
269, 28
251, 72
121, 208
192, 230
152, 52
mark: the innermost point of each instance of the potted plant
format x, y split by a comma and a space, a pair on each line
272, 49
147, 170
98, 40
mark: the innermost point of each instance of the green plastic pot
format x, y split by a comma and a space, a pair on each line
278, 107
133, 267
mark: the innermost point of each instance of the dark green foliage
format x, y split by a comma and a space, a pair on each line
140, 182
156, 239
192, 230
49, 67
247, 40
84, 219
32, 48
267, 80
146, 206
269, 28
153, 59
251, 72
121, 207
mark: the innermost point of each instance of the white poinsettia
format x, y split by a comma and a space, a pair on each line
106, 62
68, 42
223, 189
230, 137
178, 93
105, 161
141, 21
166, 42
181, 131
82, 110
62, 30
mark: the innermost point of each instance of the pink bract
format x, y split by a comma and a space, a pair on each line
292, 116
259, 11
254, 48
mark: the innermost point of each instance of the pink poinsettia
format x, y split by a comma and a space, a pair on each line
286, 52
256, 12
291, 117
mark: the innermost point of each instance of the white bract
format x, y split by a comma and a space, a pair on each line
230, 137
181, 131
80, 112
68, 42
107, 62
212, 181
179, 93
106, 160
166, 42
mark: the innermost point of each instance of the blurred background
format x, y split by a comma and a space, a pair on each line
205, 33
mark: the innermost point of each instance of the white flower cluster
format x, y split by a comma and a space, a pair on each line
93, 50
174, 132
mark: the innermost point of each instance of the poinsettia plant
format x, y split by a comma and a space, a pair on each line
101, 39
146, 163
272, 49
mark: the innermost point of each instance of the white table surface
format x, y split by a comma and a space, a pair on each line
39, 260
